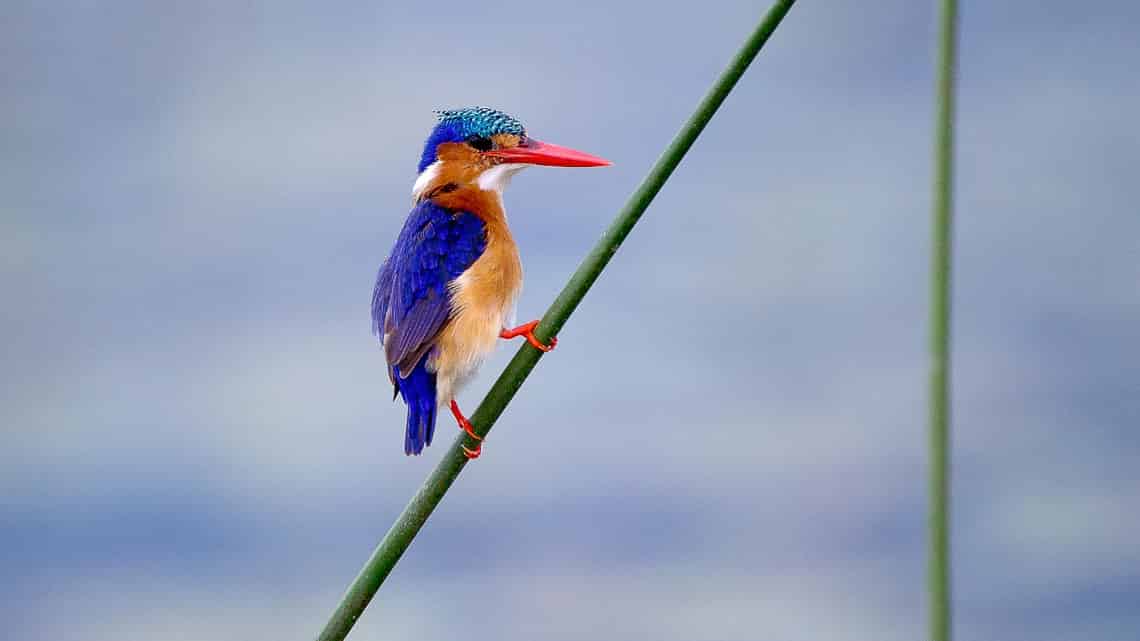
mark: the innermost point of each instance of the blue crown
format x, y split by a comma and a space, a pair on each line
457, 125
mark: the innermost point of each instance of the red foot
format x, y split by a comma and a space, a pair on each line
465, 425
527, 331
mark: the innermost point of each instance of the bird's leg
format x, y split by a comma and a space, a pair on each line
465, 425
527, 331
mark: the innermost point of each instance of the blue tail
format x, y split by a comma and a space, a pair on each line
418, 390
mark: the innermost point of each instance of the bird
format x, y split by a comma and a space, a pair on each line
447, 290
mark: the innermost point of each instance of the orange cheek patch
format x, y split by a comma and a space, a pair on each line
459, 164
506, 141
457, 152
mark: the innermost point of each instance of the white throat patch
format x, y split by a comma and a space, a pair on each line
496, 178
426, 177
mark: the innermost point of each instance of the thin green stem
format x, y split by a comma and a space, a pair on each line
939, 552
400, 536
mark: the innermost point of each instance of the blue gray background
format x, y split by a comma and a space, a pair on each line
198, 438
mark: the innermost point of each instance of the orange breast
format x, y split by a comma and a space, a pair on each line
482, 298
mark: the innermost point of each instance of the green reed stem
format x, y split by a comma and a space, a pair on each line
400, 536
939, 544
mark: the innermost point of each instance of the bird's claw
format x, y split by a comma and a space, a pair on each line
465, 426
527, 331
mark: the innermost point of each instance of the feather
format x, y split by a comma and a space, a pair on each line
418, 390
411, 303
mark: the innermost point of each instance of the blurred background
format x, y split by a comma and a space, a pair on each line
729, 444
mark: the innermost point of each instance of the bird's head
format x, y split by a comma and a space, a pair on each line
484, 147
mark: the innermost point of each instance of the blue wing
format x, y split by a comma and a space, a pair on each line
411, 304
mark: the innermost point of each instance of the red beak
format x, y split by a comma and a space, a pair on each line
536, 152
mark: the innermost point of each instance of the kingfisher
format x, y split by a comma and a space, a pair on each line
447, 290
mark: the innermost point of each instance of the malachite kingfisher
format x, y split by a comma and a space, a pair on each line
446, 292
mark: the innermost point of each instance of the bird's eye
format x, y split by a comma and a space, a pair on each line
481, 143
